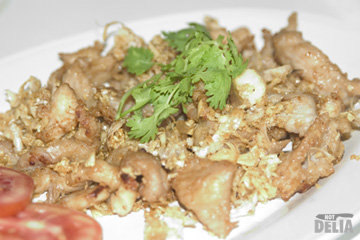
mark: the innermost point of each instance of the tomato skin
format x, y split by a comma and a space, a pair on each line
16, 191
50, 222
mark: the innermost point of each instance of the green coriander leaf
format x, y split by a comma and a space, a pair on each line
166, 112
143, 128
238, 65
141, 95
214, 58
138, 60
200, 28
165, 86
217, 86
179, 39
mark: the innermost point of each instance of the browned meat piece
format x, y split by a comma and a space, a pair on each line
331, 141
83, 69
60, 118
79, 82
89, 128
333, 106
204, 187
155, 185
7, 153
315, 66
102, 173
89, 53
123, 199
101, 70
243, 38
116, 156
47, 180
86, 198
57, 150
295, 113
312, 159
267, 52
55, 79
344, 126
214, 28
291, 175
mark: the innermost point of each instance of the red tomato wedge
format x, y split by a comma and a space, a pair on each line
49, 222
16, 190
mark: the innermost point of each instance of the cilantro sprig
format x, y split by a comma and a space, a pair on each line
200, 59
179, 39
138, 60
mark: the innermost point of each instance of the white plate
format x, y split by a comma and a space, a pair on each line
340, 193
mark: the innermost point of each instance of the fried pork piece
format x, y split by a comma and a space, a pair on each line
214, 28
60, 117
90, 53
316, 68
101, 172
155, 185
333, 106
295, 113
267, 52
243, 38
204, 187
79, 82
57, 150
123, 199
89, 128
47, 180
86, 198
7, 153
85, 71
312, 159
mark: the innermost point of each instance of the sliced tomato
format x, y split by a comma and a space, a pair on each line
50, 222
16, 190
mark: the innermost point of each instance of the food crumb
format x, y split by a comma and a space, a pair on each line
155, 229
355, 157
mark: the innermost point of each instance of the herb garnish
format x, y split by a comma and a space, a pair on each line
201, 59
138, 60
179, 39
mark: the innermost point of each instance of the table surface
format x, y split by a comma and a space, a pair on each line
28, 23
